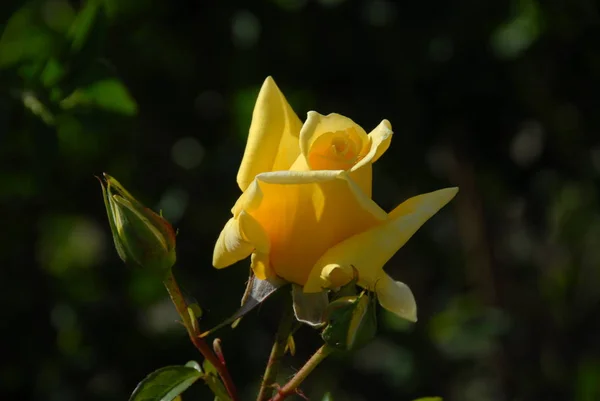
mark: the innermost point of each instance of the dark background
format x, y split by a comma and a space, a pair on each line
496, 97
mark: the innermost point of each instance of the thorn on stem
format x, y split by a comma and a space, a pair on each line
218, 350
301, 394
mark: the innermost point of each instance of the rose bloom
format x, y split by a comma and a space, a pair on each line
306, 213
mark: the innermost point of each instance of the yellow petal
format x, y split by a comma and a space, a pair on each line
273, 139
239, 238
370, 250
335, 142
332, 142
363, 177
261, 266
306, 213
379, 141
335, 276
396, 297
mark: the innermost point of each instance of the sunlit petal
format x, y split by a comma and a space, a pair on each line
306, 213
261, 266
332, 142
379, 141
239, 238
273, 138
396, 297
368, 251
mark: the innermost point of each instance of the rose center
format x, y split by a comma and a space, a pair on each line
341, 146
339, 150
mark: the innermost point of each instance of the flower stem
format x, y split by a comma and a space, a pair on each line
286, 327
292, 386
194, 333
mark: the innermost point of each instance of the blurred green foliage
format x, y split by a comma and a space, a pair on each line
495, 97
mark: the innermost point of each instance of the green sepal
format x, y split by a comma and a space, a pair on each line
142, 238
352, 322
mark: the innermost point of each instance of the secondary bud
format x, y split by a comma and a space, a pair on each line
352, 322
142, 237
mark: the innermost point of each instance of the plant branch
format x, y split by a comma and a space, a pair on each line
292, 386
286, 327
194, 333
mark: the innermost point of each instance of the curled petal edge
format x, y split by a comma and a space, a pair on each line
380, 139
396, 297
253, 196
241, 235
370, 250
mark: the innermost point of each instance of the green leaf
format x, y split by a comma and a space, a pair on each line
58, 15
27, 38
52, 73
352, 322
429, 399
108, 94
165, 384
213, 381
327, 397
83, 24
516, 35
194, 364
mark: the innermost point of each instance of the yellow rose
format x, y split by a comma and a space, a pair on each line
306, 213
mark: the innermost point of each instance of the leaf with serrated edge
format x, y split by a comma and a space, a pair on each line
165, 384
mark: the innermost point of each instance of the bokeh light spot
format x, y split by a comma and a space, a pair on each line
173, 204
527, 145
245, 29
187, 153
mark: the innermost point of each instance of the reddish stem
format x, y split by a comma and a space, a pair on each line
291, 387
195, 335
